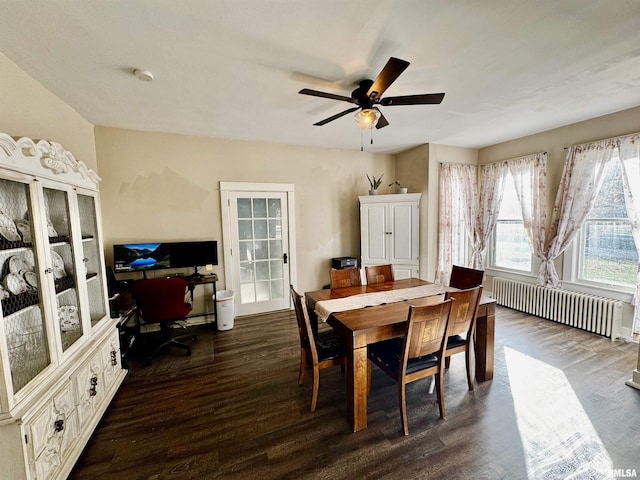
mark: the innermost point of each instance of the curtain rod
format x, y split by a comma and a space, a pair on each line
602, 140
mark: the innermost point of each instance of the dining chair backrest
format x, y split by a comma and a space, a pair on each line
307, 341
464, 310
345, 277
426, 331
378, 273
464, 277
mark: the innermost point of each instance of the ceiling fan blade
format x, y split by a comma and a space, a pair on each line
387, 76
316, 93
382, 121
426, 99
336, 116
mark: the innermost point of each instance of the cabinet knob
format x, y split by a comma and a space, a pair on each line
48, 270
58, 425
114, 358
94, 383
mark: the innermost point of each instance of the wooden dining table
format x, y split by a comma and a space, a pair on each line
361, 327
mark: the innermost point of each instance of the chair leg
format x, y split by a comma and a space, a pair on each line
467, 355
316, 384
303, 366
368, 377
403, 407
440, 394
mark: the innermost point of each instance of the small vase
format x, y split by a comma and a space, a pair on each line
373, 191
402, 190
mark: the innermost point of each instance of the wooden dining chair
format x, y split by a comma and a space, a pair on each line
378, 273
326, 349
345, 277
464, 277
462, 320
419, 354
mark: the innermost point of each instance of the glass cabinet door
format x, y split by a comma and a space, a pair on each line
20, 293
91, 257
63, 264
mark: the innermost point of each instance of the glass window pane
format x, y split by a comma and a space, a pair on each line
276, 268
261, 252
275, 229
275, 248
259, 208
512, 246
245, 230
262, 292
244, 208
510, 242
277, 290
608, 253
246, 250
274, 208
248, 293
246, 272
262, 271
260, 228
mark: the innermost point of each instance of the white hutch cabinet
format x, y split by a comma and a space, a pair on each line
389, 232
59, 350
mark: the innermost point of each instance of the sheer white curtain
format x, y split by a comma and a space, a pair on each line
629, 153
581, 178
530, 179
490, 198
445, 231
458, 193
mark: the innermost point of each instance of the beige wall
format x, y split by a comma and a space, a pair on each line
166, 187
27, 109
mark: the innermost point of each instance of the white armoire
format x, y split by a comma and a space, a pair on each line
389, 232
59, 348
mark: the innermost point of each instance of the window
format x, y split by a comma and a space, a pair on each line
510, 247
607, 254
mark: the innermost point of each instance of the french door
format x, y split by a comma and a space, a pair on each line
258, 244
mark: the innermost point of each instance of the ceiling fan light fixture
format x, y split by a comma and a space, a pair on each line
367, 118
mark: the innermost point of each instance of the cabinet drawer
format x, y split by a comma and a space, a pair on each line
51, 433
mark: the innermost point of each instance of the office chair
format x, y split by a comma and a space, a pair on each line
161, 301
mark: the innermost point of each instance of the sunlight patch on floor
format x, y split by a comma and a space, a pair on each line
557, 436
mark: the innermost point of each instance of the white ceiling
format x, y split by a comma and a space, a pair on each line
233, 68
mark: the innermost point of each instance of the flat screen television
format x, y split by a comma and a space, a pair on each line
132, 257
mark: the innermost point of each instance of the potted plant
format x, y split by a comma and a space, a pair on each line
375, 183
401, 189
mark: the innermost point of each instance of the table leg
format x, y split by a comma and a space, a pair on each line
485, 332
357, 389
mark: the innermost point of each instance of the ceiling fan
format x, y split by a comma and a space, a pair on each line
369, 94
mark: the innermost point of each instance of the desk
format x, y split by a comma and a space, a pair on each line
192, 283
368, 325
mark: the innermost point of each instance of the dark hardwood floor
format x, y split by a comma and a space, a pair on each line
557, 408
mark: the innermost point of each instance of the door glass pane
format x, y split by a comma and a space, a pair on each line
261, 262
22, 316
64, 268
259, 208
244, 208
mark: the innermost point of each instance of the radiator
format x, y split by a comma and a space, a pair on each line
587, 312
